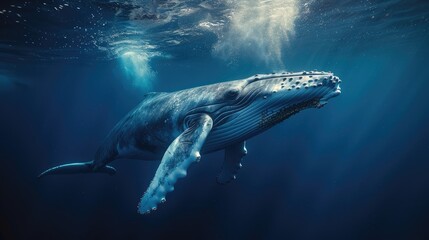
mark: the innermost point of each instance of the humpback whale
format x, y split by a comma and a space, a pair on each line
178, 127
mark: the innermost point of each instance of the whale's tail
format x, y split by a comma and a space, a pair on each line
84, 167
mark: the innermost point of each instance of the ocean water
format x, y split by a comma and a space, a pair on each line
355, 169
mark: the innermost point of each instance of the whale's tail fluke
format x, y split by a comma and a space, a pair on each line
84, 167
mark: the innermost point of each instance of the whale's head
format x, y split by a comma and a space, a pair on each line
261, 101
292, 90
278, 96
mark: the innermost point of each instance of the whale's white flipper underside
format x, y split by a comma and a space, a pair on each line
232, 163
184, 150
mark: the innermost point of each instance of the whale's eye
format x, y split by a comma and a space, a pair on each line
232, 94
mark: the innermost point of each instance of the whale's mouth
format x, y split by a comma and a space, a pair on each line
324, 100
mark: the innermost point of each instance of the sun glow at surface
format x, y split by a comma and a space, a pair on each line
136, 66
258, 28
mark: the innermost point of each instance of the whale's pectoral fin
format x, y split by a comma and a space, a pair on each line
233, 156
179, 155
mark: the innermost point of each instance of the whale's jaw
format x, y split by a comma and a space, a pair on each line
306, 90
286, 90
267, 121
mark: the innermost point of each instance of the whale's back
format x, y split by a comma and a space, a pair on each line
141, 134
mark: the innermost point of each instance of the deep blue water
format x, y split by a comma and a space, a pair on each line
355, 169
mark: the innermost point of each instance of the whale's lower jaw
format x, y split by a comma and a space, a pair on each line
284, 113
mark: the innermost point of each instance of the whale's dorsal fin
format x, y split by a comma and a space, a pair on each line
152, 94
184, 150
232, 163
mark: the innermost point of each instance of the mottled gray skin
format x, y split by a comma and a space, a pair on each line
178, 127
240, 110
